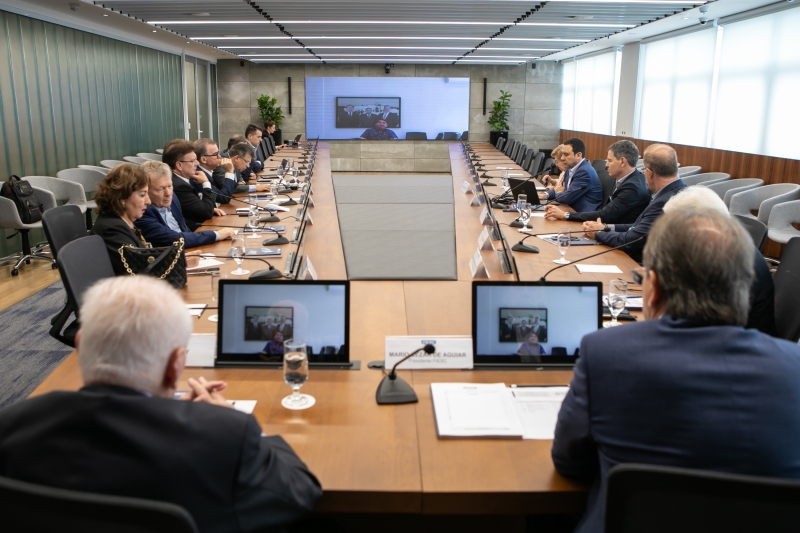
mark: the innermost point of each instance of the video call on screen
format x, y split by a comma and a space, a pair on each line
533, 320
257, 319
345, 108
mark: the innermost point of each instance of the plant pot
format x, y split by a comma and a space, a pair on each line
494, 135
277, 137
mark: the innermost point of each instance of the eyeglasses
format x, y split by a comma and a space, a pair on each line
190, 161
213, 155
638, 275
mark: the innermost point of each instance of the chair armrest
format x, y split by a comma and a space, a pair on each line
46, 198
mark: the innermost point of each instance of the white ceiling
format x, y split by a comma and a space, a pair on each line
396, 31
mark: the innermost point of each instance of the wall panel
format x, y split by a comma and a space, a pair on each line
69, 97
737, 164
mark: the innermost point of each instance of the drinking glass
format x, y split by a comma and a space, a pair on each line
237, 251
295, 373
215, 277
522, 199
617, 298
273, 188
252, 222
504, 178
563, 240
524, 214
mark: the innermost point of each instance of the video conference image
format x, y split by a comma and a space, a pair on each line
385, 109
533, 322
257, 319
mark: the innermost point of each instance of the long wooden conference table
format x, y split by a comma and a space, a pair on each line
387, 458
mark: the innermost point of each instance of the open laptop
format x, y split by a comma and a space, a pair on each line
533, 324
251, 312
521, 186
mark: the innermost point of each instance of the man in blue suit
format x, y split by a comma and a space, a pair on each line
253, 134
163, 222
661, 174
580, 189
689, 386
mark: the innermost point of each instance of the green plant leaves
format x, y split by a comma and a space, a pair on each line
269, 111
498, 117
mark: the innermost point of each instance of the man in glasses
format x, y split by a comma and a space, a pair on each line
191, 186
689, 386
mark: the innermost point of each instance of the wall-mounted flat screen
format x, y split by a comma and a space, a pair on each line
386, 108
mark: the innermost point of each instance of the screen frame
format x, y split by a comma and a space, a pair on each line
340, 358
399, 109
515, 361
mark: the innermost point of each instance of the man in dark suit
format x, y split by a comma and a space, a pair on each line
253, 135
123, 433
689, 386
392, 119
580, 189
191, 186
661, 173
367, 119
347, 118
630, 196
163, 222
507, 331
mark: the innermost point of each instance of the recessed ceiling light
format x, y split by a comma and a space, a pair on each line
581, 17
105, 15
631, 34
154, 31
200, 14
685, 18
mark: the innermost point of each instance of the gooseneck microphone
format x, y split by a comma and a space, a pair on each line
394, 389
267, 273
271, 218
280, 239
520, 247
543, 278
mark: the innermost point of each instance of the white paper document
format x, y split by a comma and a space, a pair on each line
202, 350
245, 406
537, 409
204, 263
474, 410
603, 269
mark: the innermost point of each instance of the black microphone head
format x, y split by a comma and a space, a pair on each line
429, 348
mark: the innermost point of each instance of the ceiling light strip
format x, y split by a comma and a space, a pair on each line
395, 22
389, 48
349, 38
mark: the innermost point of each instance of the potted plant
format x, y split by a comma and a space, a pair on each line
498, 118
270, 111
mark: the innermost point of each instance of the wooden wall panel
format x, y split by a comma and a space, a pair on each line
737, 164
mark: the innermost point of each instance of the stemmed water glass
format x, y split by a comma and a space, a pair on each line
563, 240
237, 252
524, 214
215, 277
295, 373
617, 299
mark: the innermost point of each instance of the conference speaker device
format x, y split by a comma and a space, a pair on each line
393, 389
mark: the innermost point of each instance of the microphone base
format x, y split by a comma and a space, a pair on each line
519, 247
515, 224
277, 240
273, 218
288, 202
488, 183
395, 391
266, 274
284, 191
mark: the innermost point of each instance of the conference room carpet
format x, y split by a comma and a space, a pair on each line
29, 353
397, 226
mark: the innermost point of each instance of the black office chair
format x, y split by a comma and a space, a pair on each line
549, 162
439, 136
416, 136
607, 184
450, 136
756, 229
500, 143
535, 165
660, 499
510, 145
63, 225
465, 136
38, 509
526, 159
558, 350
787, 292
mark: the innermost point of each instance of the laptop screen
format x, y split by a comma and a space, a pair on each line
256, 316
530, 323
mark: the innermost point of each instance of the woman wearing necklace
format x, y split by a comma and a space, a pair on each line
121, 199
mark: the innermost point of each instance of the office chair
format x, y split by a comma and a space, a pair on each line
152, 157
787, 295
509, 147
88, 178
500, 143
763, 199
160, 151
439, 137
526, 159
82, 263
781, 218
726, 189
10, 219
104, 170
465, 136
66, 192
685, 172
706, 178
754, 227
134, 160
660, 499
111, 163
520, 153
416, 136
63, 225
607, 183
536, 164
39, 509
450, 136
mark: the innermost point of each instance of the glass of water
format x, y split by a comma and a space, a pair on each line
253, 221
522, 199
524, 214
215, 276
504, 177
295, 373
563, 239
617, 298
237, 252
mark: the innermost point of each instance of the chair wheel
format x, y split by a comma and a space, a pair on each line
54, 266
14, 272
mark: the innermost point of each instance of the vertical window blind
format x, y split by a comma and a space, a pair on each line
589, 94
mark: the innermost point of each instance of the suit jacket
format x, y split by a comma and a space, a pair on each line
392, 119
211, 460
583, 191
256, 164
625, 205
367, 121
115, 233
762, 299
347, 121
670, 392
222, 186
508, 333
624, 233
196, 209
157, 232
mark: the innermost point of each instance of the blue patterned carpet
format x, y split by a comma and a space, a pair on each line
27, 352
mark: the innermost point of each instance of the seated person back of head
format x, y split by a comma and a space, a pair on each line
123, 434
689, 386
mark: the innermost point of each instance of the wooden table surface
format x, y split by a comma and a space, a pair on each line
388, 459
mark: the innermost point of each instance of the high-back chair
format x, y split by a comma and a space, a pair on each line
10, 219
780, 222
88, 178
763, 199
726, 189
706, 178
